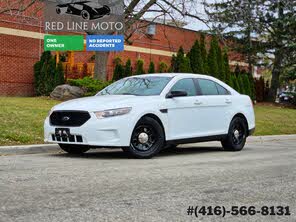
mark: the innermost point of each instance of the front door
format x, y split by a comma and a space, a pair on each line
182, 111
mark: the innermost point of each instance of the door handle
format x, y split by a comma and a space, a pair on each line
228, 101
197, 102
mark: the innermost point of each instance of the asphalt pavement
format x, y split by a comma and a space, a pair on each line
106, 185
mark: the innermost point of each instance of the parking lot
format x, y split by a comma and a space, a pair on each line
106, 185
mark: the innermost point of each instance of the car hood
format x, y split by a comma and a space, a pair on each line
98, 103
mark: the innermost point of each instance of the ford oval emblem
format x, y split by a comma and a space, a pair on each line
66, 118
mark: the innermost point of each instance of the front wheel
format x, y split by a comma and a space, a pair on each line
237, 134
74, 149
85, 15
147, 139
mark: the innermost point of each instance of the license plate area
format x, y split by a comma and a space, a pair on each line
62, 132
64, 135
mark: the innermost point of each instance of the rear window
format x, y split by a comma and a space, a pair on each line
221, 90
207, 87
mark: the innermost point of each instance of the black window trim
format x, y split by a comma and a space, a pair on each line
197, 86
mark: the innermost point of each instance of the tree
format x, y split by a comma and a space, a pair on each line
226, 67
203, 54
151, 67
140, 67
118, 70
185, 66
59, 78
252, 87
18, 6
163, 67
181, 63
220, 63
47, 75
264, 29
195, 58
128, 68
178, 60
213, 58
247, 85
241, 84
236, 83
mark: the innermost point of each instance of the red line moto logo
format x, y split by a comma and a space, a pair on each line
93, 16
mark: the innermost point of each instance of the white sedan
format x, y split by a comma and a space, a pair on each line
146, 113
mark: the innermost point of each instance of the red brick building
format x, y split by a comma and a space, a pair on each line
21, 40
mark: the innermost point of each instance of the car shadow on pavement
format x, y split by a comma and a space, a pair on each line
119, 154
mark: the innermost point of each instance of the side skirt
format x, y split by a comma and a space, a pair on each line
198, 139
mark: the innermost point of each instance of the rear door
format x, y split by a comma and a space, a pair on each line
214, 108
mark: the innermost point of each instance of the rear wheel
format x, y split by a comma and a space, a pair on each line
147, 139
237, 134
74, 149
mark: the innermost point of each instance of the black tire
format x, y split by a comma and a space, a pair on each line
86, 15
74, 149
147, 139
237, 135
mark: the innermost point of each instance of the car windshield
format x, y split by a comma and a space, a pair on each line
138, 86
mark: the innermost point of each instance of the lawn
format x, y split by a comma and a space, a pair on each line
21, 120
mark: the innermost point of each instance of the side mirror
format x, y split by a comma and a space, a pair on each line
173, 94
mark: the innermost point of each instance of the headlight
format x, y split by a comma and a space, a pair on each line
112, 112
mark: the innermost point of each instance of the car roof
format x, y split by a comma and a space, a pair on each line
189, 75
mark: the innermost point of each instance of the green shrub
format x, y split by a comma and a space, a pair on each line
235, 82
163, 67
185, 66
294, 98
247, 85
140, 67
151, 67
92, 86
59, 78
47, 75
241, 84
128, 68
119, 70
195, 58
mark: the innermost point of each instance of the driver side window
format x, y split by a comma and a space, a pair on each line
186, 85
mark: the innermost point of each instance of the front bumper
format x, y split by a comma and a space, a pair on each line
108, 132
251, 131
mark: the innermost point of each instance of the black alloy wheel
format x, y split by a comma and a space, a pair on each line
147, 138
237, 134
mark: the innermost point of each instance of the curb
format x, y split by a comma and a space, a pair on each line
271, 138
51, 148
29, 149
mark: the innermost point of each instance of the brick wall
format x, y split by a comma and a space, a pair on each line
17, 58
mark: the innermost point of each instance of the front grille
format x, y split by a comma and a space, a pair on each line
69, 118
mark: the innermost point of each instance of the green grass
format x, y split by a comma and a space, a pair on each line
21, 120
274, 120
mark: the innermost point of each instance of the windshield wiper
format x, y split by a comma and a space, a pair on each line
132, 94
